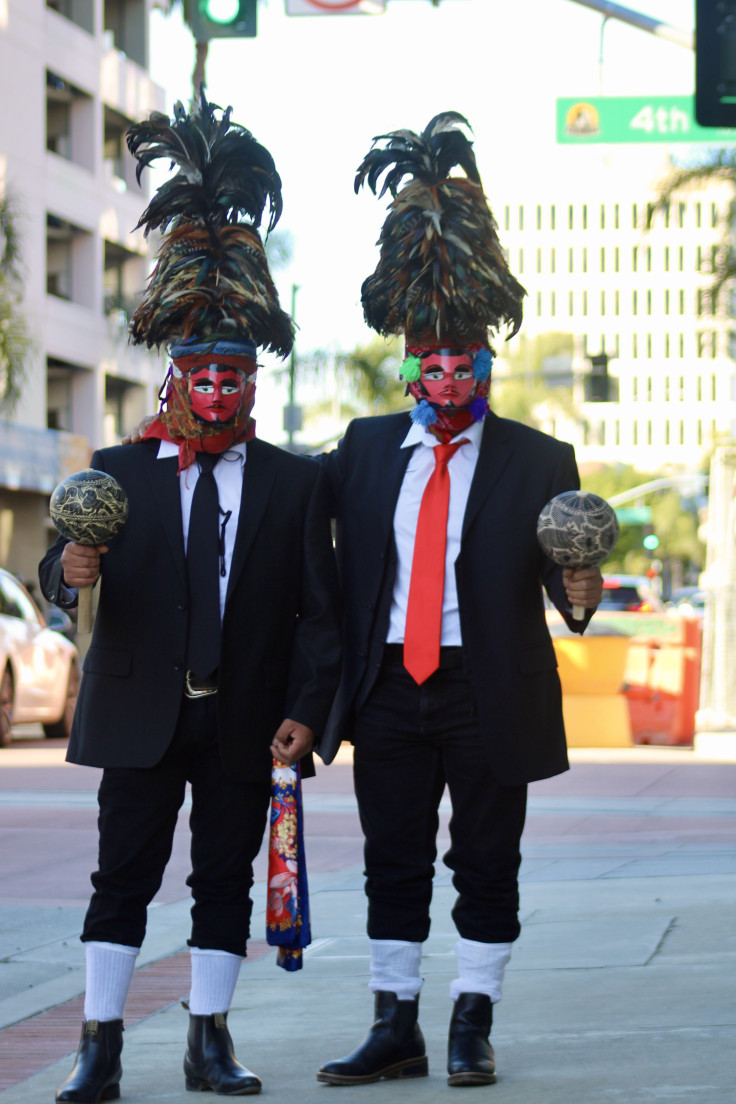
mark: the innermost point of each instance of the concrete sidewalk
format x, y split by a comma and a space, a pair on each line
621, 987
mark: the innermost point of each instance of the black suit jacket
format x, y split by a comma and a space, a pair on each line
500, 572
280, 642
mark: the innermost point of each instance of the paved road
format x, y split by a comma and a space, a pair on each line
621, 987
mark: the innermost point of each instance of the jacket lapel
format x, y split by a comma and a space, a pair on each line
258, 479
391, 464
165, 486
495, 452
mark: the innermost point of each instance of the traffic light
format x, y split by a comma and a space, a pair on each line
650, 540
715, 63
221, 18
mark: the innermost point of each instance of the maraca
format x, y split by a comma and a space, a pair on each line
577, 529
88, 507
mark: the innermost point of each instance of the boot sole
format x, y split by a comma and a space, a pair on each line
112, 1092
413, 1067
204, 1086
470, 1077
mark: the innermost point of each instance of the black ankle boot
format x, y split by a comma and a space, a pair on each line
469, 1053
97, 1070
210, 1064
394, 1047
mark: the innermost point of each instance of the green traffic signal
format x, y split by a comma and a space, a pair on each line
221, 18
650, 542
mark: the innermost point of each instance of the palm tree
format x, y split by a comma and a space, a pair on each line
717, 165
15, 342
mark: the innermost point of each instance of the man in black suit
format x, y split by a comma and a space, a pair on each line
449, 673
216, 641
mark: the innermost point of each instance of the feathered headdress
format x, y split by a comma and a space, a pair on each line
442, 277
211, 280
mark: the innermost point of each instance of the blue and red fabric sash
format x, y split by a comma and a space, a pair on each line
287, 908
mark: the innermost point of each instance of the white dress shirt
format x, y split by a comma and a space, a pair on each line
229, 479
421, 465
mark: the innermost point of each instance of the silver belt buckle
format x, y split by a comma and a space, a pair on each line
197, 691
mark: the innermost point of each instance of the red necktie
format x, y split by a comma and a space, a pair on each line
427, 586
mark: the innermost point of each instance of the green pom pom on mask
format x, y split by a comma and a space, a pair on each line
411, 369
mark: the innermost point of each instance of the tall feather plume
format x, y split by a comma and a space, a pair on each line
211, 278
442, 276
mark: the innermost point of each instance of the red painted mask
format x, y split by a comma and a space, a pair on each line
216, 392
447, 377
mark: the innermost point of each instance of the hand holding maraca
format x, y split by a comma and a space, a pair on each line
88, 508
578, 530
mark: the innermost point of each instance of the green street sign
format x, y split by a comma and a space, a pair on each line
634, 515
667, 119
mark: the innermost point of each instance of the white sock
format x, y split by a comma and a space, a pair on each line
395, 967
480, 968
214, 974
110, 967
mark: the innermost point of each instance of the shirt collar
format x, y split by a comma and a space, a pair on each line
167, 449
418, 435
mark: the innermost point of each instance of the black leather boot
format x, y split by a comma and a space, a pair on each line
394, 1047
210, 1064
97, 1070
469, 1053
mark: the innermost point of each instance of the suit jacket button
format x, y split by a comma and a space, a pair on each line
181, 606
361, 655
178, 666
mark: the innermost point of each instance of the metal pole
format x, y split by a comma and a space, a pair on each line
292, 373
644, 22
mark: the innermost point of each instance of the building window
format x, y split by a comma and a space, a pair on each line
666, 300
603, 258
507, 217
681, 345
81, 12
699, 259
666, 258
521, 261
699, 342
602, 433
634, 346
539, 217
681, 215
603, 216
521, 217
539, 260
666, 388
617, 432
699, 302
539, 303
585, 302
681, 298
635, 389
570, 261
699, 388
553, 304
70, 256
127, 23
713, 387
552, 217
713, 215
635, 258
585, 259
713, 343
552, 261
649, 389
585, 216
70, 121
634, 215
635, 433
649, 258
570, 303
649, 432
649, 345
681, 258
616, 259
667, 345
634, 302
681, 389
616, 302
667, 432
682, 432
649, 302
699, 431
616, 217
603, 303
570, 217
698, 215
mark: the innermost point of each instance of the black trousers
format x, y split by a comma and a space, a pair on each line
411, 741
138, 813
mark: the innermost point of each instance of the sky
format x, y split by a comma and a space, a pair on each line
316, 89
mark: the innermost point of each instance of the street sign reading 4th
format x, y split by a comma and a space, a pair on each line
634, 119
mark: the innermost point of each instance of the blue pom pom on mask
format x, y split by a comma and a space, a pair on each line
423, 414
482, 364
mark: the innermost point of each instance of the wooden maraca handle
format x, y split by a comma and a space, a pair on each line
578, 613
84, 610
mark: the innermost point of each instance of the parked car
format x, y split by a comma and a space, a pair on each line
39, 667
690, 600
630, 594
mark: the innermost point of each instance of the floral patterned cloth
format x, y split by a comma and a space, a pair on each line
287, 909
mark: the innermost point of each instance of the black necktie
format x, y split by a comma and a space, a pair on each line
203, 571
